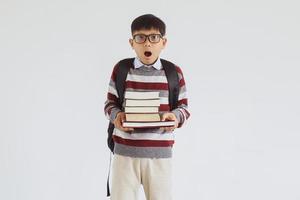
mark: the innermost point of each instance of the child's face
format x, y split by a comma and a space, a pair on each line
148, 48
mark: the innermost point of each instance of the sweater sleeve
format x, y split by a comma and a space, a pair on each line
111, 105
181, 112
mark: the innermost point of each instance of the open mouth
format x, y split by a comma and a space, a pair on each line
147, 53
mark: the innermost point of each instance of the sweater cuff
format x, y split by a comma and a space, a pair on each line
179, 116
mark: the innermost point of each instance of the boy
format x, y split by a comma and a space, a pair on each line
143, 156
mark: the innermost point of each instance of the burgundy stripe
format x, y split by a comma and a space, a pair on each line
109, 111
178, 69
110, 104
114, 73
182, 113
112, 97
181, 82
180, 125
182, 101
143, 143
187, 113
164, 107
146, 86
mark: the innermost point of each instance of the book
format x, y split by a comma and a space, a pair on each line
141, 95
142, 102
143, 109
150, 117
156, 124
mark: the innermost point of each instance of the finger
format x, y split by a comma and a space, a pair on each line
127, 129
172, 117
165, 117
123, 118
168, 129
162, 128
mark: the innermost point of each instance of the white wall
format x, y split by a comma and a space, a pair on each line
241, 64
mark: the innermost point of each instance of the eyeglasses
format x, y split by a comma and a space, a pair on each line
141, 38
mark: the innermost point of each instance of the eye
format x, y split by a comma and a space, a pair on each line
140, 37
154, 37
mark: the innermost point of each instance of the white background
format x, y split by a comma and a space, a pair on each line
241, 64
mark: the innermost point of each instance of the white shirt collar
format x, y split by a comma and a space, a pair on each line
157, 65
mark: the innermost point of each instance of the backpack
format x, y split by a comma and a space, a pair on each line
121, 74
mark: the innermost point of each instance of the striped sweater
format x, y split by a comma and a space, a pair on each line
147, 142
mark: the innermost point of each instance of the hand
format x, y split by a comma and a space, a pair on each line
167, 117
119, 121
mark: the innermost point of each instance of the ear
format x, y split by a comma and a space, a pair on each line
164, 42
131, 43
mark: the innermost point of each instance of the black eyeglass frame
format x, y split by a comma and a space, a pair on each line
147, 37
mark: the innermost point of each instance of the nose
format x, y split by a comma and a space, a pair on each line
147, 43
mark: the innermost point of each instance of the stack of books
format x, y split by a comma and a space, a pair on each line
142, 110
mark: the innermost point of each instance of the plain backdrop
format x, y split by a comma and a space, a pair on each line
241, 63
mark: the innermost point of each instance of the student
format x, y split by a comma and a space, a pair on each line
143, 156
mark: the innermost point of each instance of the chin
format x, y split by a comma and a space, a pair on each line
147, 60
150, 60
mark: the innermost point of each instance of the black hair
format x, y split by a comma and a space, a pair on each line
147, 22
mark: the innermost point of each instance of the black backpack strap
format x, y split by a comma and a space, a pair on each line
173, 82
121, 75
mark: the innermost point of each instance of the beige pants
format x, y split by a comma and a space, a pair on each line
128, 174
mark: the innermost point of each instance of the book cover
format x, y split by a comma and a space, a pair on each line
142, 102
141, 95
156, 124
150, 117
142, 109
